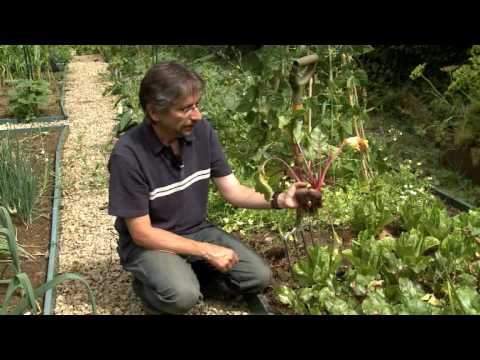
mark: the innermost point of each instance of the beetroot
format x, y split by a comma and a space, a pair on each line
309, 199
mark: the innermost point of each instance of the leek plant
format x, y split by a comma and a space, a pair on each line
20, 281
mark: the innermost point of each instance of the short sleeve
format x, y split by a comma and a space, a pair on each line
218, 164
128, 190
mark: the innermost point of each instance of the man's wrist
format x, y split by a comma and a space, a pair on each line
202, 250
278, 200
281, 201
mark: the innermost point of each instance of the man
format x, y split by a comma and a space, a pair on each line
159, 177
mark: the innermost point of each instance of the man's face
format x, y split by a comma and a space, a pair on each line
180, 119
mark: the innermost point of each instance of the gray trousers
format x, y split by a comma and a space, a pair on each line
167, 283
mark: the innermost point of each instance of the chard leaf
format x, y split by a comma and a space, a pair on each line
376, 304
305, 294
286, 295
469, 300
337, 306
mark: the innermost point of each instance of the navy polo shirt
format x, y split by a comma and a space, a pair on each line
147, 178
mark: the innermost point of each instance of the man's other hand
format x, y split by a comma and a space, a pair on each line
220, 257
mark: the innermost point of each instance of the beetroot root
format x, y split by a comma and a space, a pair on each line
309, 199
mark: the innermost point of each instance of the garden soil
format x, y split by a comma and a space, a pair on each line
88, 240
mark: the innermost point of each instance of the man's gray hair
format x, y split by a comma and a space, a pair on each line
166, 82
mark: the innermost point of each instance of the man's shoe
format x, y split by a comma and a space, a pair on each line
217, 288
258, 304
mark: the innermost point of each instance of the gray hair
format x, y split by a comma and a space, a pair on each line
167, 82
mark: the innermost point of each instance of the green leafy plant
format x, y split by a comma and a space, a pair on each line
318, 293
435, 222
411, 247
59, 56
411, 212
430, 217
27, 97
465, 79
365, 254
318, 267
372, 213
126, 119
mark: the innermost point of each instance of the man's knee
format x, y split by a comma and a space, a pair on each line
263, 276
184, 299
178, 300
257, 280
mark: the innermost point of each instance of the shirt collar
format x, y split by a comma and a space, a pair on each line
154, 142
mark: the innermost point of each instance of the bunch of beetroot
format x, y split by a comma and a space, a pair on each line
310, 197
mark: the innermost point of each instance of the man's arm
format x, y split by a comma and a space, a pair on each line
148, 237
245, 197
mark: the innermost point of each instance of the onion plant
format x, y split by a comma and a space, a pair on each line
18, 182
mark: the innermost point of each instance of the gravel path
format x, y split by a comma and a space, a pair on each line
87, 240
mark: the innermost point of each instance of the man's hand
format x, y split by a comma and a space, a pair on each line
220, 257
288, 199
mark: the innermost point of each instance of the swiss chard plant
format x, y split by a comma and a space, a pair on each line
431, 267
372, 213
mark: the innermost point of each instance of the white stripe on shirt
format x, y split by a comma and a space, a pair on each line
181, 185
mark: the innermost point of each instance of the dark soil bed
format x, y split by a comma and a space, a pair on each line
271, 248
52, 108
461, 160
35, 237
